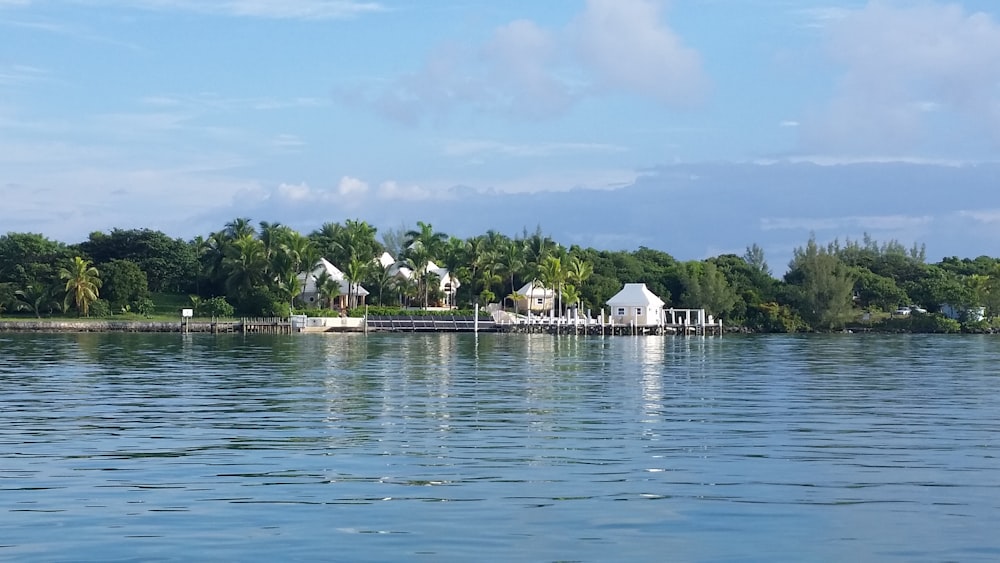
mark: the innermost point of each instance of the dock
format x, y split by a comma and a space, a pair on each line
430, 323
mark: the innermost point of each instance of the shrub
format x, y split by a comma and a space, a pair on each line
100, 309
215, 307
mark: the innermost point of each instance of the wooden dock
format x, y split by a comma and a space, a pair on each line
429, 323
263, 325
595, 328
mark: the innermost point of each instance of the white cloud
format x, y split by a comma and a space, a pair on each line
532, 72
913, 74
987, 216
630, 48
845, 224
296, 192
394, 191
349, 186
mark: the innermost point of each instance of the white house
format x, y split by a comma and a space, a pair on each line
535, 298
447, 283
974, 314
310, 293
636, 304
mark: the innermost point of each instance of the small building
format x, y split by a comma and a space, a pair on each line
447, 283
535, 298
965, 314
636, 305
311, 294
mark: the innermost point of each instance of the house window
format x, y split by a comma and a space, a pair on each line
621, 311
638, 311
539, 301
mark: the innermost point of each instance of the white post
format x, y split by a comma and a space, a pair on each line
475, 322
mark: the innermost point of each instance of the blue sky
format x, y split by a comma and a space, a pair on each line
693, 126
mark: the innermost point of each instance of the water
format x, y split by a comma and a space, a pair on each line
118, 447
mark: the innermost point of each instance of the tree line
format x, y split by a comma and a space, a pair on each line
257, 269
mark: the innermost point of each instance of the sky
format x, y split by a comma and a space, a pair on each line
696, 127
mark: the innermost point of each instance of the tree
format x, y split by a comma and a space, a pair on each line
328, 288
124, 283
354, 274
30, 259
169, 264
577, 272
822, 286
510, 260
707, 288
754, 257
422, 245
553, 276
83, 284
245, 265
35, 298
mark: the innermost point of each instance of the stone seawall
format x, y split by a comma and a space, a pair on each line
100, 326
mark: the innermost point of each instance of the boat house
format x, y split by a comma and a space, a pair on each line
636, 305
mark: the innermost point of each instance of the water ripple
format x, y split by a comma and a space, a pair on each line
499, 447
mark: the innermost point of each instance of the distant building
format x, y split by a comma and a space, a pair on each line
973, 314
311, 294
535, 298
636, 305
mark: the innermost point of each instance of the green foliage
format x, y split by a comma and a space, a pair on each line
169, 264
920, 323
877, 292
261, 302
30, 259
124, 283
215, 307
100, 309
706, 287
772, 317
822, 287
145, 306
83, 284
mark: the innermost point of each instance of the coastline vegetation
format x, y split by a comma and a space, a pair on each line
245, 269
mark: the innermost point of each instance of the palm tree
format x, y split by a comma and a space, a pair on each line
380, 279
245, 264
83, 282
577, 272
511, 260
327, 288
34, 298
291, 286
239, 228
423, 244
355, 272
553, 276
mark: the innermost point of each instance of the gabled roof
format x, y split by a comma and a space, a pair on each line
328, 267
635, 295
324, 265
535, 289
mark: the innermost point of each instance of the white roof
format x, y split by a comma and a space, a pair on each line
324, 265
386, 260
635, 295
535, 289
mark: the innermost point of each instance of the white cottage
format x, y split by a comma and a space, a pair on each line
535, 298
636, 304
447, 283
310, 293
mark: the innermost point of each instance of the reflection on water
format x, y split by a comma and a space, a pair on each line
499, 447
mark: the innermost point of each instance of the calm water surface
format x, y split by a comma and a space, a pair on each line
503, 447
